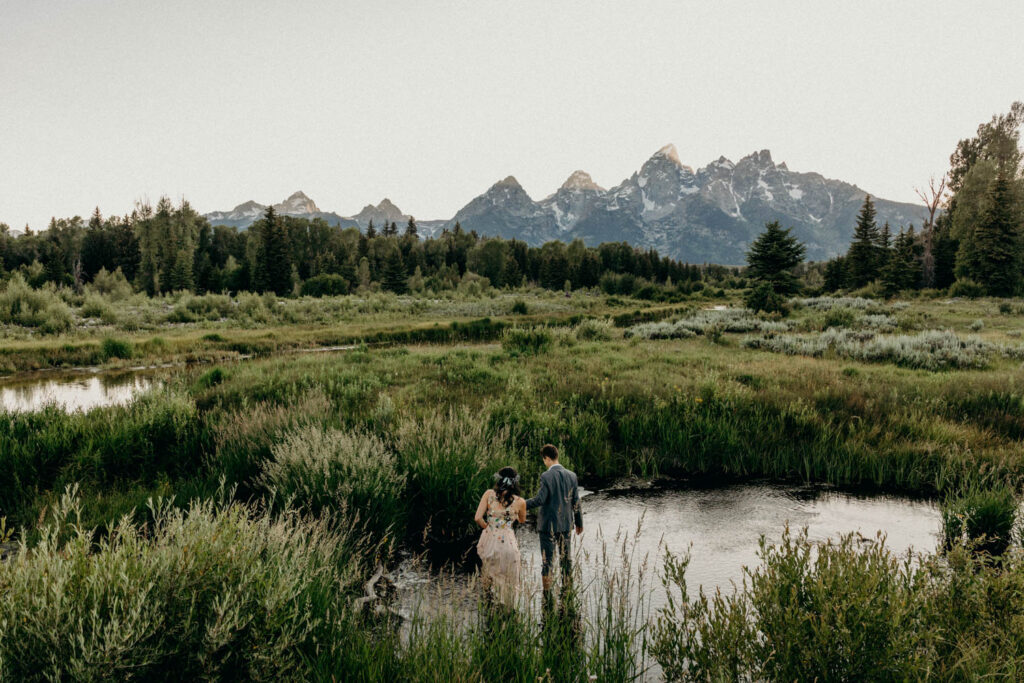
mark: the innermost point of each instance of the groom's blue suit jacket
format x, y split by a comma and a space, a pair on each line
558, 501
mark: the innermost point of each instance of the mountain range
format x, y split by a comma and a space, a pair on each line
706, 215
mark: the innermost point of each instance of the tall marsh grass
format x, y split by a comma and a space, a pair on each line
214, 592
349, 474
846, 611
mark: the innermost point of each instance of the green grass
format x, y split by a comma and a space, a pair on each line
409, 435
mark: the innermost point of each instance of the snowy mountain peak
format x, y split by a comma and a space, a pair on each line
297, 204
669, 152
581, 180
762, 158
510, 182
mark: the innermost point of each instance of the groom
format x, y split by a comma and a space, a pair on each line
559, 506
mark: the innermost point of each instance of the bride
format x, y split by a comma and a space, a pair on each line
498, 548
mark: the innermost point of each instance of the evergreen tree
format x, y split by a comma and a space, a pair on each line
180, 276
390, 229
862, 258
273, 263
997, 242
901, 272
772, 258
835, 274
410, 229
884, 246
394, 277
371, 231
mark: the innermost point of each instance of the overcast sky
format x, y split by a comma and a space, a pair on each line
105, 102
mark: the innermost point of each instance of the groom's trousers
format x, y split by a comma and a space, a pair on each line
550, 542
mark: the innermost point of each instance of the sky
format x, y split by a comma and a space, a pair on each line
106, 102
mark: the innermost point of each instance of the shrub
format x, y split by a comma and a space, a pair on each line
844, 611
977, 326
519, 307
95, 306
527, 342
827, 303
350, 473
980, 518
840, 317
1005, 308
593, 330
929, 350
968, 289
42, 308
113, 286
327, 284
208, 593
763, 297
701, 322
115, 348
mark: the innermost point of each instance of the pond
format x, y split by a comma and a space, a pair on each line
720, 527
73, 391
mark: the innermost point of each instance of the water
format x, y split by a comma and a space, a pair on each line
73, 392
720, 527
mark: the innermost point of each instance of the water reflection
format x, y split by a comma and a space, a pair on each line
71, 393
720, 528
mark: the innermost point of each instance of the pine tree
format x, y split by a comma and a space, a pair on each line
393, 275
901, 272
371, 231
997, 242
274, 268
390, 229
410, 229
835, 274
772, 258
180, 276
862, 258
884, 246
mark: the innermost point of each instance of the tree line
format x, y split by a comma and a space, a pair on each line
972, 239
173, 248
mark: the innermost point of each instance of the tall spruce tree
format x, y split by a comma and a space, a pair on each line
772, 258
410, 229
901, 272
997, 242
274, 268
862, 258
393, 275
884, 246
371, 231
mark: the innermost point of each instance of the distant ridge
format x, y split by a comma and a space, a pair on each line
710, 214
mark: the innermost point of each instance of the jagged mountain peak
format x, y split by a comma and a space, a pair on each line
669, 152
509, 182
298, 203
581, 180
762, 158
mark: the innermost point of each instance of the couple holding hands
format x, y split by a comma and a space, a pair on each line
558, 511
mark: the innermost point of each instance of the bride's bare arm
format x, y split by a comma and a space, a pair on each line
481, 510
521, 503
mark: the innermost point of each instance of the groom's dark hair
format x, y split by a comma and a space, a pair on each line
548, 451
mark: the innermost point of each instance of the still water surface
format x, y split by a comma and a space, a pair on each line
73, 392
720, 527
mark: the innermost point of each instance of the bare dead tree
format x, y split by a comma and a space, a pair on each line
933, 200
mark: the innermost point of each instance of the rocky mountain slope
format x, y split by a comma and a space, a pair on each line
706, 215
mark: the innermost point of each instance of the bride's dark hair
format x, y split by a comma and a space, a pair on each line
506, 485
